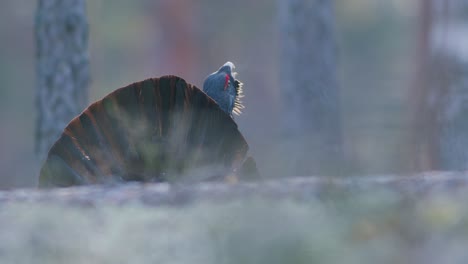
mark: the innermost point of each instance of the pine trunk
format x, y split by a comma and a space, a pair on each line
309, 87
62, 67
441, 97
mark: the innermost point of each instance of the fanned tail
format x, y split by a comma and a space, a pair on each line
153, 130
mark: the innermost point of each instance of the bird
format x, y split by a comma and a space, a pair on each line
156, 130
227, 91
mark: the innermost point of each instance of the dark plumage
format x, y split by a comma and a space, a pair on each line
154, 130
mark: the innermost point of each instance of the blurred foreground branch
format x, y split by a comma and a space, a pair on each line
302, 188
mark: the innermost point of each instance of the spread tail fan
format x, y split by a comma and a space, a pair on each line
154, 130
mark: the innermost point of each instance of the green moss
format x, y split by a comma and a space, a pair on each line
371, 227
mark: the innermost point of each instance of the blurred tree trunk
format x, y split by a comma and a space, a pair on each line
309, 87
179, 54
440, 97
423, 126
62, 67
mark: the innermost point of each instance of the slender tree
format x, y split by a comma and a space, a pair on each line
440, 97
62, 67
309, 86
179, 51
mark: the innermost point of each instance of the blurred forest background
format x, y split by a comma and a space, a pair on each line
378, 60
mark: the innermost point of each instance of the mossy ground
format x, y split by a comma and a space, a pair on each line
371, 226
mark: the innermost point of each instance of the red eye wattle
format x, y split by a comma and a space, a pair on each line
226, 82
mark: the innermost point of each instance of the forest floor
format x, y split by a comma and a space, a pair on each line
383, 219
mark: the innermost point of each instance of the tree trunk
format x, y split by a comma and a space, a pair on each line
450, 61
442, 91
179, 50
309, 87
423, 127
62, 67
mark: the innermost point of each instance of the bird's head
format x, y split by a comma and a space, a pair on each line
222, 87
